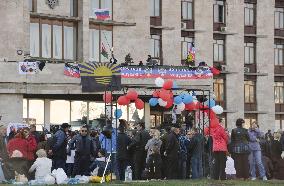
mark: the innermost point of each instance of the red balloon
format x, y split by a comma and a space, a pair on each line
170, 103
156, 94
123, 100
165, 95
201, 106
190, 106
168, 84
132, 95
107, 97
139, 104
214, 123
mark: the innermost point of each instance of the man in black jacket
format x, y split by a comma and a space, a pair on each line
171, 153
138, 144
122, 156
83, 150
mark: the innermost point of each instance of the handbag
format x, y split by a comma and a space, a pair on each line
241, 148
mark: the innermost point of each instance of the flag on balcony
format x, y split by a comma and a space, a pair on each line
191, 53
71, 70
98, 77
104, 51
102, 14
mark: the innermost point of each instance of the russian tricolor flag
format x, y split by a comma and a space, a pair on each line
102, 14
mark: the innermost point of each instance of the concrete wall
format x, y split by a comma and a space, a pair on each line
14, 26
235, 61
11, 107
265, 64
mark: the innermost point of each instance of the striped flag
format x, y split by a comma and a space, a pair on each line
102, 14
104, 51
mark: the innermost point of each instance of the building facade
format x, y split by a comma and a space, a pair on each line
241, 37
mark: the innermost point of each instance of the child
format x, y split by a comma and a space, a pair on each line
42, 165
230, 168
154, 164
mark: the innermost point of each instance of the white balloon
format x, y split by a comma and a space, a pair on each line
162, 103
159, 82
178, 111
218, 109
181, 107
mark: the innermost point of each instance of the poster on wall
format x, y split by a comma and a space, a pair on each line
15, 127
28, 67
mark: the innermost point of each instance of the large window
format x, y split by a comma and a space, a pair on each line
186, 45
218, 87
33, 112
58, 39
249, 14
249, 91
278, 92
219, 11
60, 111
279, 122
99, 5
100, 44
279, 18
278, 54
249, 53
155, 8
155, 46
249, 119
187, 10
218, 48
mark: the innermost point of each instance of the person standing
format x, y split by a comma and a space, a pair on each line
183, 149
58, 147
240, 149
138, 144
220, 142
171, 153
83, 151
122, 155
35, 133
255, 154
154, 141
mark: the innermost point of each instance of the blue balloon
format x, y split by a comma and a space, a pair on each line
118, 113
177, 100
210, 103
187, 99
153, 102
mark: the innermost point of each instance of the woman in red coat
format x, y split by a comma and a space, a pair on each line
220, 142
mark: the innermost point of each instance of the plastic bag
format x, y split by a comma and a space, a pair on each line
49, 180
83, 179
97, 179
60, 176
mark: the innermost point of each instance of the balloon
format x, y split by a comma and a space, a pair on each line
214, 122
132, 95
168, 84
165, 94
187, 98
177, 100
211, 103
159, 82
218, 109
190, 106
162, 103
153, 102
170, 103
108, 111
107, 97
175, 85
139, 104
178, 111
123, 100
181, 106
156, 94
118, 113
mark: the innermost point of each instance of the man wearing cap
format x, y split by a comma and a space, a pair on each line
58, 148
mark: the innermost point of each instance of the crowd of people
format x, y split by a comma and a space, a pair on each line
171, 153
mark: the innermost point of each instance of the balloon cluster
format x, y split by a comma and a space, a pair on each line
131, 96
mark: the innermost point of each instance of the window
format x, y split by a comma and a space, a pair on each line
33, 111
278, 54
59, 111
155, 8
249, 92
249, 119
58, 39
278, 92
186, 9
219, 11
100, 4
218, 86
279, 18
34, 39
74, 8
78, 112
279, 122
186, 45
249, 53
155, 46
249, 14
100, 43
218, 48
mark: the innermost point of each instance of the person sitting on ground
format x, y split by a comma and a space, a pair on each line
42, 165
